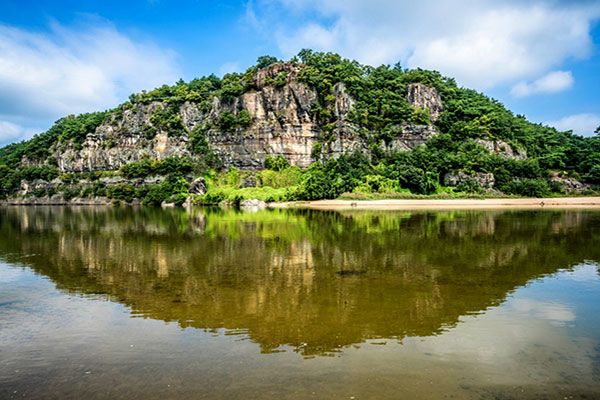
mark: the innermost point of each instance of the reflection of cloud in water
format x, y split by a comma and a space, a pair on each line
524, 341
554, 312
584, 273
8, 275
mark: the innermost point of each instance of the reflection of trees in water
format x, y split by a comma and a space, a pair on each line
277, 273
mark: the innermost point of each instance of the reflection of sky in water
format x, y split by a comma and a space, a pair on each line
547, 331
544, 333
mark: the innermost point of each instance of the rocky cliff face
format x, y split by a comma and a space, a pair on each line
281, 124
120, 140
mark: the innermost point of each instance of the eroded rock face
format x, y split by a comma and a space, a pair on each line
121, 140
426, 97
568, 185
485, 180
411, 136
502, 149
281, 124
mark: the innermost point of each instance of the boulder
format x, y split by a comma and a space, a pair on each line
198, 186
253, 205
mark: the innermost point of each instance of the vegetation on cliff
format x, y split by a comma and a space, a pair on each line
474, 135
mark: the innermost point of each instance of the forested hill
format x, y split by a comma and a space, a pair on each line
316, 126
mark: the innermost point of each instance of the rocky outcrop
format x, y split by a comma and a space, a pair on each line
411, 136
485, 180
502, 149
425, 97
568, 185
198, 186
281, 123
121, 140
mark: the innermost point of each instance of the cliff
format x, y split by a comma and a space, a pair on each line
281, 123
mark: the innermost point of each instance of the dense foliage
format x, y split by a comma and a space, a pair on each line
380, 109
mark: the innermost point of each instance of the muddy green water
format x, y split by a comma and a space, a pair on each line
105, 303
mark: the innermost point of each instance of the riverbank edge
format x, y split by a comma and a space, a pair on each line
391, 204
403, 204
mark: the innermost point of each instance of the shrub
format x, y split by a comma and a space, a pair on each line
147, 167
276, 163
290, 176
199, 146
528, 188
46, 173
70, 192
376, 184
470, 185
121, 191
315, 185
171, 190
417, 180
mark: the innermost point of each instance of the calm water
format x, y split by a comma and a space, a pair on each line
103, 303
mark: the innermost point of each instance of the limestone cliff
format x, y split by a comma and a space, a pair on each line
281, 123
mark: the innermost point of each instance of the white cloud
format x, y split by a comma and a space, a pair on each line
553, 82
10, 132
74, 70
582, 124
483, 43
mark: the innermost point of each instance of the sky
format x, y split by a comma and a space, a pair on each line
540, 58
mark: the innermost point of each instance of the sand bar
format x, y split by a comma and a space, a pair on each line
557, 202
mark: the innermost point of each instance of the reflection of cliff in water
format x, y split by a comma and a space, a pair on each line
313, 280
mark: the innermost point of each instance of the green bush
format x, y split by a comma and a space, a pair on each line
46, 173
70, 192
470, 186
287, 177
376, 184
171, 190
121, 191
167, 119
167, 166
528, 188
276, 163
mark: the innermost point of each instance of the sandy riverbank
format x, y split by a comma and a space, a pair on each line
559, 202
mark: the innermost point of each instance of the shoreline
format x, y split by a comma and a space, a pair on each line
406, 204
590, 202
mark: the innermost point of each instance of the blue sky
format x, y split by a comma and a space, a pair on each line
540, 58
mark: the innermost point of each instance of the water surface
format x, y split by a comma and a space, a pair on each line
102, 303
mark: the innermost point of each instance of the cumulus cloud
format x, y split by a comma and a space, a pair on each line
582, 124
482, 43
9, 132
72, 70
553, 82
